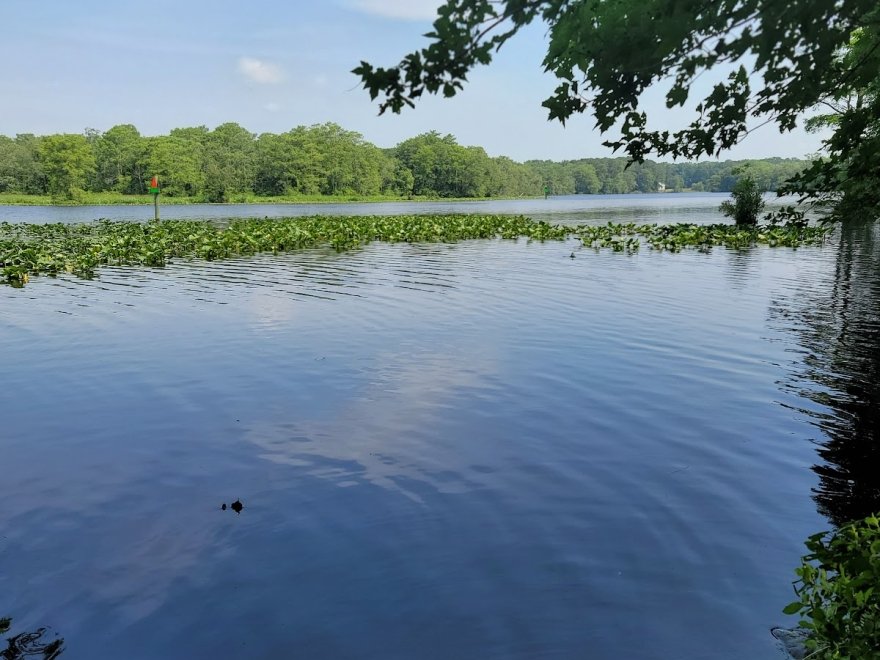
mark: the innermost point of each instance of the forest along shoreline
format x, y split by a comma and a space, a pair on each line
325, 162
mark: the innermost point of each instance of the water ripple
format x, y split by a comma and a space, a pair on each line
486, 449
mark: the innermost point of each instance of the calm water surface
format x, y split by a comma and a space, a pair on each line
665, 207
480, 450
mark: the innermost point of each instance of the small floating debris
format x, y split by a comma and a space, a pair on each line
236, 506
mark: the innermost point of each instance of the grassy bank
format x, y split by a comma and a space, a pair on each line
102, 199
27, 249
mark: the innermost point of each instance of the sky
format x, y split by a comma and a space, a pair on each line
271, 65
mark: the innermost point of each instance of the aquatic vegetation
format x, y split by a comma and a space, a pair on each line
617, 237
837, 592
629, 237
27, 249
677, 237
80, 249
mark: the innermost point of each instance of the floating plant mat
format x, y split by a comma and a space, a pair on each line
30, 249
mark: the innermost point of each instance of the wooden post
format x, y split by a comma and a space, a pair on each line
154, 189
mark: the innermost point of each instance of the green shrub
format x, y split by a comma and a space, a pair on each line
838, 587
748, 202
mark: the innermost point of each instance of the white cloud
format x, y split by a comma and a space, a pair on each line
260, 71
272, 107
407, 10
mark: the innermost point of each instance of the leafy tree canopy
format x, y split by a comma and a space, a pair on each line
68, 161
606, 54
230, 163
747, 202
849, 174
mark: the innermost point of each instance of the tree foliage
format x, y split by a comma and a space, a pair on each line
847, 178
443, 168
838, 589
790, 48
67, 161
178, 162
20, 168
229, 163
120, 155
748, 202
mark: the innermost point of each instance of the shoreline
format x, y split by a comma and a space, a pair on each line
146, 200
39, 200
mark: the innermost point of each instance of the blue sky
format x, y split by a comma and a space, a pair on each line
271, 65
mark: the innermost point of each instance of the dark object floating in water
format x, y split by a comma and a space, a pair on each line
793, 641
237, 506
29, 645
223, 508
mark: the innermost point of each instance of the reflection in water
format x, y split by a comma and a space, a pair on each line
29, 644
740, 266
658, 207
840, 331
491, 449
361, 441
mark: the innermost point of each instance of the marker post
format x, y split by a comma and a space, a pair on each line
154, 191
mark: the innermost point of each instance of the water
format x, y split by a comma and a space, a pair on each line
666, 207
479, 450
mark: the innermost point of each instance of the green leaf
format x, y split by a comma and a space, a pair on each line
793, 608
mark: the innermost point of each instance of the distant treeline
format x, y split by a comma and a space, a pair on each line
230, 163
